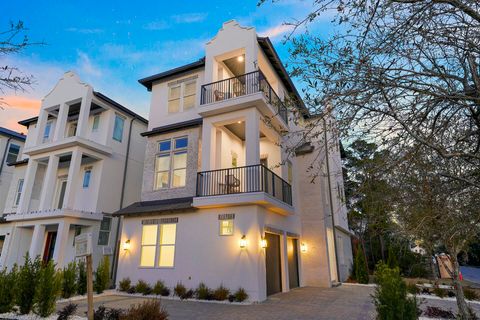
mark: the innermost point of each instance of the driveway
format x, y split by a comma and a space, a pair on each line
471, 274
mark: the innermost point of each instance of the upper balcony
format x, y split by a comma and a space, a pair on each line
248, 84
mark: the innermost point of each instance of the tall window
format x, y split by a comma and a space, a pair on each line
13, 152
72, 129
161, 251
86, 178
181, 96
96, 123
118, 128
171, 163
226, 227
46, 133
104, 233
18, 194
290, 172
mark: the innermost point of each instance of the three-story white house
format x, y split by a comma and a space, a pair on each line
83, 158
222, 202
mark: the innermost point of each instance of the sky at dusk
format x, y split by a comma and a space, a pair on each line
112, 45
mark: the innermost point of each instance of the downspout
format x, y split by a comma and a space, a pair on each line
5, 154
331, 198
116, 252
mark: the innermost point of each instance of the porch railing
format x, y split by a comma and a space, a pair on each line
254, 178
242, 85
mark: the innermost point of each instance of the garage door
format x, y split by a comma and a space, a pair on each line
273, 268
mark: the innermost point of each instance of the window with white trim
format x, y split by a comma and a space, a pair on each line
96, 122
13, 151
158, 245
226, 227
46, 132
182, 96
18, 193
118, 128
87, 174
171, 163
104, 233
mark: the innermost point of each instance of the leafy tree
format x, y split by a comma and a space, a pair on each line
69, 283
47, 289
27, 283
102, 275
82, 278
8, 282
361, 272
392, 261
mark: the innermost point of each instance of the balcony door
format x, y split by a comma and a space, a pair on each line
62, 186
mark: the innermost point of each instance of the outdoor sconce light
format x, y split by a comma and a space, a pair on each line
263, 243
240, 58
243, 242
303, 247
126, 245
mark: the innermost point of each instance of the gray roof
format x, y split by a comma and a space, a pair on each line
12, 134
157, 207
173, 127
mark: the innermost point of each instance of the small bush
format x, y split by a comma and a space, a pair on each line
158, 287
180, 290
241, 295
470, 294
231, 297
221, 293
142, 287
26, 283
188, 295
99, 314
124, 284
434, 312
82, 278
203, 292
361, 272
451, 294
69, 285
7, 289
131, 290
418, 270
113, 314
165, 292
442, 293
148, 310
66, 312
102, 275
412, 288
48, 288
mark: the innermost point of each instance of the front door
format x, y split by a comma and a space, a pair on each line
292, 252
49, 246
273, 264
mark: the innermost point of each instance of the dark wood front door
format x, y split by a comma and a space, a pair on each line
273, 263
49, 246
292, 253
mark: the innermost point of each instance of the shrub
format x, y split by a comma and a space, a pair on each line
7, 289
180, 290
131, 290
203, 292
103, 313
221, 293
412, 288
48, 288
470, 294
434, 312
361, 272
102, 275
124, 284
142, 287
82, 279
148, 310
451, 294
158, 287
165, 292
67, 311
69, 285
241, 295
392, 260
188, 295
418, 270
231, 297
442, 293
390, 295
26, 284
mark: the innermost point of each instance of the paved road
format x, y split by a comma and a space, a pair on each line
471, 274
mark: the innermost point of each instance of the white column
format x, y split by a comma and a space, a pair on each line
41, 123
252, 138
82, 125
48, 186
61, 122
209, 138
61, 243
27, 186
38, 239
72, 180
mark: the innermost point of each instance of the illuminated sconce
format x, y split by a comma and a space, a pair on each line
240, 58
263, 243
303, 247
126, 245
243, 242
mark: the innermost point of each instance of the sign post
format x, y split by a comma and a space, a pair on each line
83, 248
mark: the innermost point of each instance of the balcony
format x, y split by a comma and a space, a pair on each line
243, 85
254, 181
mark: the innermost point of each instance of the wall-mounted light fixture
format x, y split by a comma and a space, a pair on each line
240, 58
126, 245
243, 242
303, 247
263, 243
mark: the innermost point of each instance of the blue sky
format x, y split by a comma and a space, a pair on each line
112, 45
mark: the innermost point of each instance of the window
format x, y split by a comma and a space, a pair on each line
165, 246
72, 129
13, 152
290, 172
86, 178
104, 233
96, 122
2, 241
171, 163
226, 227
77, 232
118, 128
46, 133
182, 96
19, 192
234, 159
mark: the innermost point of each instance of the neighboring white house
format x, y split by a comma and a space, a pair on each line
83, 157
222, 203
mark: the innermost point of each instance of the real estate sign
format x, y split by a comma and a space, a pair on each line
83, 245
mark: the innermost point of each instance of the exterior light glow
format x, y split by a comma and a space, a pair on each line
240, 58
263, 243
303, 247
239, 122
126, 245
243, 242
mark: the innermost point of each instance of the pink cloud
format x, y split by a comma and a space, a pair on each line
16, 108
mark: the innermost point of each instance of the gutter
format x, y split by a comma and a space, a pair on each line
5, 154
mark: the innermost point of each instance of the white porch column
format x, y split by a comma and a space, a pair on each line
82, 125
61, 243
41, 123
61, 122
48, 186
38, 238
209, 138
72, 180
27, 186
252, 138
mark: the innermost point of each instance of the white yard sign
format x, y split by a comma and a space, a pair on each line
83, 245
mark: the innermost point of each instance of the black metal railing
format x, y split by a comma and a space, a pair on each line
242, 85
254, 178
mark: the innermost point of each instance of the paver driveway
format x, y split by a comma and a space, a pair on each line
344, 302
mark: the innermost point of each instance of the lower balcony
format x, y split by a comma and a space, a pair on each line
242, 185
54, 214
